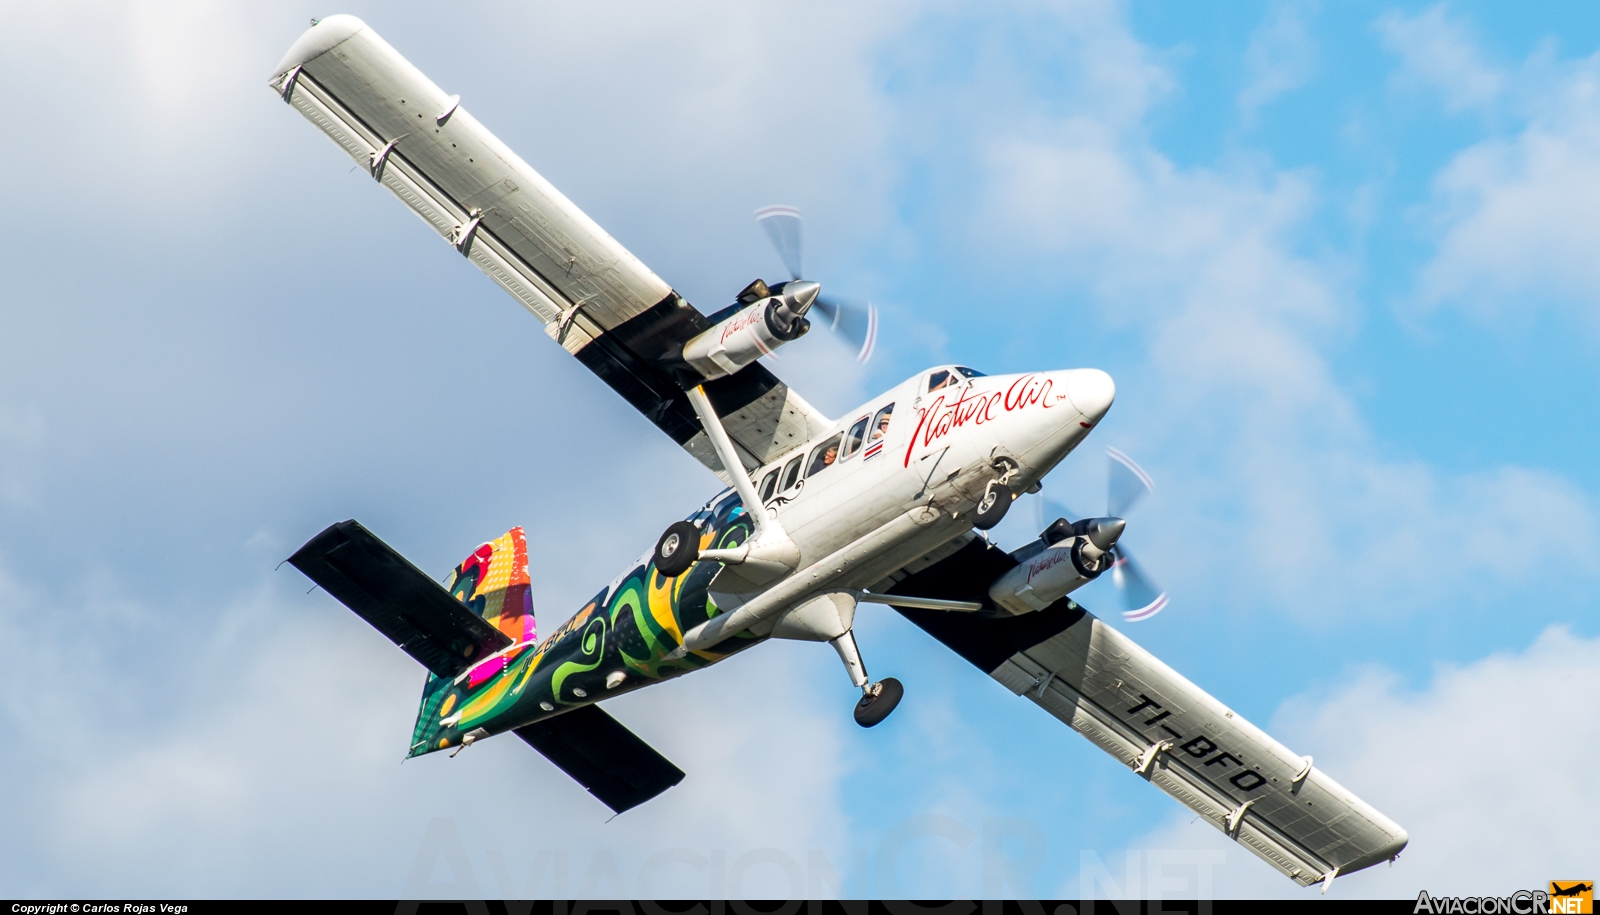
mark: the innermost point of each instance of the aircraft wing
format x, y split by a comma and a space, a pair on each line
1165, 729
594, 297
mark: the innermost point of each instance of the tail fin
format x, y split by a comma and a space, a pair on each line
493, 583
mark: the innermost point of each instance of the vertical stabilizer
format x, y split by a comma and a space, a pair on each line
493, 583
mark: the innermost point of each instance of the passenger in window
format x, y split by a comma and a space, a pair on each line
824, 457
880, 426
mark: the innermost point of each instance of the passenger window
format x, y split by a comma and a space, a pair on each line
769, 486
791, 475
880, 423
824, 456
852, 442
940, 379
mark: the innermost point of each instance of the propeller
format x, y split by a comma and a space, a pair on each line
856, 322
1126, 485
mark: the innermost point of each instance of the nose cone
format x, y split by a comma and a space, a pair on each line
1103, 532
1091, 391
801, 293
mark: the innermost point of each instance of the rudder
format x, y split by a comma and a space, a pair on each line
493, 583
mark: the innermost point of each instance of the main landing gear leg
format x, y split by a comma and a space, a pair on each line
877, 699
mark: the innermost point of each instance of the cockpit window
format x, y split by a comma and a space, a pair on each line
969, 373
825, 456
940, 379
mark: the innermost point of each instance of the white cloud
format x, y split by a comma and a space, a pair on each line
1518, 219
1280, 58
1237, 398
1438, 52
1485, 767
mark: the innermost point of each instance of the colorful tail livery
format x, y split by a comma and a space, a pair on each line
467, 633
493, 583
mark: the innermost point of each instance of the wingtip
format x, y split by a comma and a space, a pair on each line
323, 36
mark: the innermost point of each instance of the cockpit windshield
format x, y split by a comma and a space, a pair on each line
955, 374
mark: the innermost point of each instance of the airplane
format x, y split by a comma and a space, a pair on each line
888, 504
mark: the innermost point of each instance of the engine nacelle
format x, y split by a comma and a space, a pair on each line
753, 332
1073, 559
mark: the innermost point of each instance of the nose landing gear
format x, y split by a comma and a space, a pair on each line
877, 699
997, 499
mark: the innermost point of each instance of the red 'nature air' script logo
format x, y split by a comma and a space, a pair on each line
1048, 561
942, 417
740, 322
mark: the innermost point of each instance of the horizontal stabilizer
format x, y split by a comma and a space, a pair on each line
603, 756
397, 598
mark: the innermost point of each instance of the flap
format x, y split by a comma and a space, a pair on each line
397, 598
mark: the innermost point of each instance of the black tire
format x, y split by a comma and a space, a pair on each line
874, 707
677, 549
993, 506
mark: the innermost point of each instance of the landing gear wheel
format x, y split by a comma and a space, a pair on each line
677, 549
878, 700
993, 506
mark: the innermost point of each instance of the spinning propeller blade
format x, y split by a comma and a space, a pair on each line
1141, 599
783, 227
1126, 485
854, 321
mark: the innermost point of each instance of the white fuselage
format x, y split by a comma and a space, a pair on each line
937, 453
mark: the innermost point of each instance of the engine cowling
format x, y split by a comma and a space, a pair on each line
752, 332
1077, 554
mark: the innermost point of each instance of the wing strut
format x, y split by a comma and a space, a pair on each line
742, 484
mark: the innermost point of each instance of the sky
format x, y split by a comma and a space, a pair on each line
1343, 261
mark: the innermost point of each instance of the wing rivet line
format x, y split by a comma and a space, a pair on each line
1044, 684
288, 85
1149, 757
451, 104
1300, 777
466, 233
1327, 879
1236, 819
381, 158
